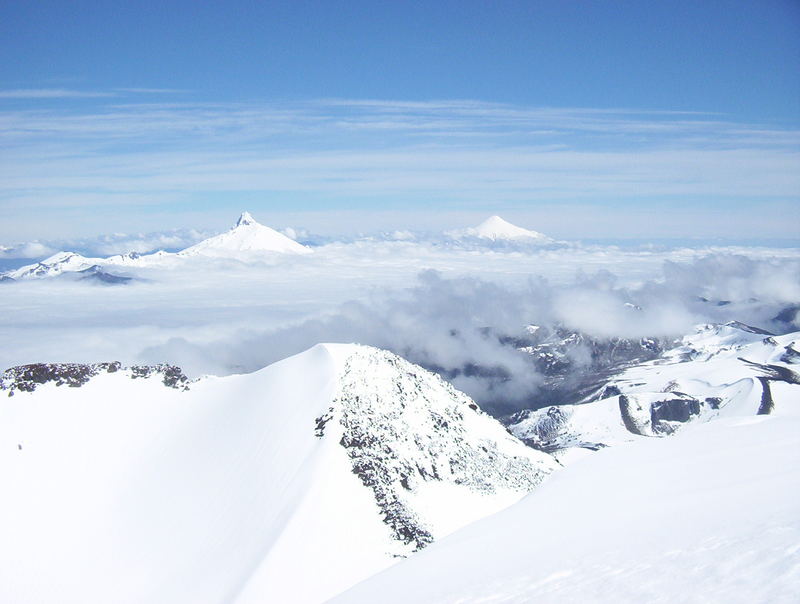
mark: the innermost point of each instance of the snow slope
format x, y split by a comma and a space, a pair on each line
246, 237
495, 228
708, 515
286, 485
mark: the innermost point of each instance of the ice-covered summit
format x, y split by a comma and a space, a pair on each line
245, 219
495, 228
247, 237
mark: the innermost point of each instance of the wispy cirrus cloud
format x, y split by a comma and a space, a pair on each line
52, 93
67, 93
389, 154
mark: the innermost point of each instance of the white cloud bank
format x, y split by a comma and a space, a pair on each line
445, 307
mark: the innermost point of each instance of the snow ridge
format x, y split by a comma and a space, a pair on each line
403, 427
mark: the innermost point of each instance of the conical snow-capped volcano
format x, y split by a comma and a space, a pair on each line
495, 228
247, 237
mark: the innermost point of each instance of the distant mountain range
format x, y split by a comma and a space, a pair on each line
246, 241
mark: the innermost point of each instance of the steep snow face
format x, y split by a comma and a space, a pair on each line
709, 515
290, 484
729, 370
246, 237
431, 457
495, 228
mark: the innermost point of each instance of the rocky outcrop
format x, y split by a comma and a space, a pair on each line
26, 378
402, 427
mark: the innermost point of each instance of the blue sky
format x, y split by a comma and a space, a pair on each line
582, 119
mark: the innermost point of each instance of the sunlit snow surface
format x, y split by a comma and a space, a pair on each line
707, 515
289, 484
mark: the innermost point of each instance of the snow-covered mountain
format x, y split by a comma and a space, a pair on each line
730, 370
57, 264
707, 514
247, 237
495, 228
247, 240
286, 485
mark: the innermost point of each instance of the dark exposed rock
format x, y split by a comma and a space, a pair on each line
629, 418
775, 372
767, 405
791, 355
26, 378
673, 410
320, 421
97, 274
749, 328
660, 415
409, 428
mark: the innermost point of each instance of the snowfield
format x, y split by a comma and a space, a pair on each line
707, 515
290, 484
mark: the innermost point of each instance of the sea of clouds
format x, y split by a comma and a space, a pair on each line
443, 305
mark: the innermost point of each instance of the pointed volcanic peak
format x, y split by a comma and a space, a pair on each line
495, 228
289, 484
246, 239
